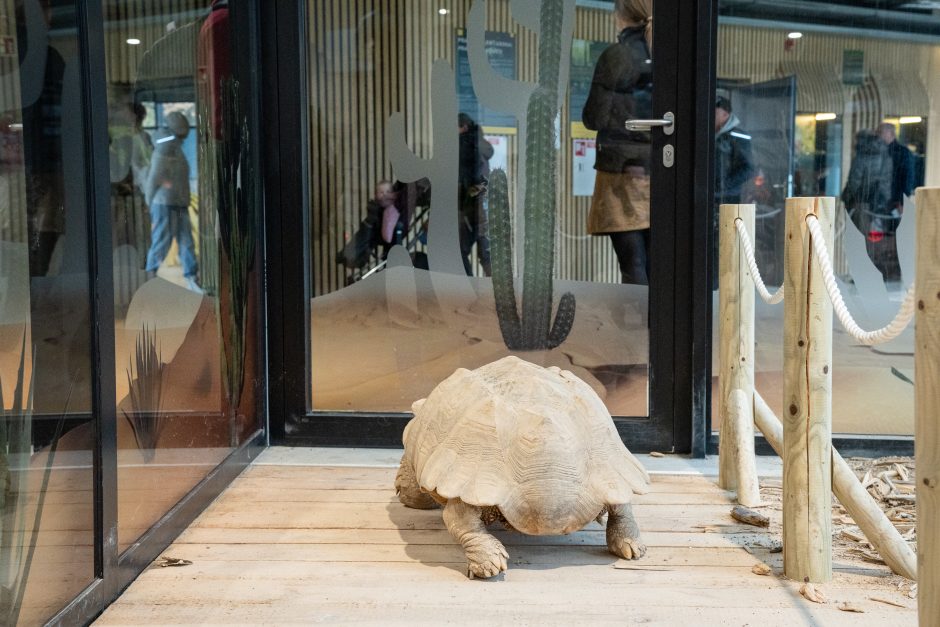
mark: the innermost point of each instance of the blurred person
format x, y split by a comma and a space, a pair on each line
42, 146
167, 194
866, 195
129, 152
473, 175
734, 168
621, 89
734, 165
383, 226
902, 166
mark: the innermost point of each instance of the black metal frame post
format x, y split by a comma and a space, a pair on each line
283, 115
114, 572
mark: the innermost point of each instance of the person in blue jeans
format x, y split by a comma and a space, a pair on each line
167, 194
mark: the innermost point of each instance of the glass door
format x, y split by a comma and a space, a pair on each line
484, 179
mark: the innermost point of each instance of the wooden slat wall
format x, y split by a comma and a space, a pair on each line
758, 54
372, 58
146, 20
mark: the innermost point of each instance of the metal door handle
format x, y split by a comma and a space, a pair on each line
667, 124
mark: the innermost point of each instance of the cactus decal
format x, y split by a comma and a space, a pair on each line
534, 330
536, 108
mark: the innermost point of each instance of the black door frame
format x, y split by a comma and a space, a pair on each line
680, 365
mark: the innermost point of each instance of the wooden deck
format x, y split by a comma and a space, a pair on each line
308, 544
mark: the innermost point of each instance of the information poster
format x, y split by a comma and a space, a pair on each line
501, 52
500, 158
584, 56
583, 173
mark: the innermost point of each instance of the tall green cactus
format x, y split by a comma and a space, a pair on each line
535, 330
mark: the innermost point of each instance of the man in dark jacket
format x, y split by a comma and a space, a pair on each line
734, 165
902, 162
866, 196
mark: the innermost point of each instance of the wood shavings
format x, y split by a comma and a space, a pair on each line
656, 454
761, 569
867, 555
846, 606
902, 472
163, 562
887, 602
749, 516
812, 593
854, 534
708, 528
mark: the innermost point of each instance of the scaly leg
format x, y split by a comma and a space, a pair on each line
408, 490
623, 534
486, 556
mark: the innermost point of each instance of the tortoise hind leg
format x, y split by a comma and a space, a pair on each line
408, 490
486, 556
623, 534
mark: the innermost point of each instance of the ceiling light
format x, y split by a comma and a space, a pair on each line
911, 119
822, 117
794, 35
443, 11
133, 41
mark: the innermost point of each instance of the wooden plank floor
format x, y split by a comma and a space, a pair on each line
296, 544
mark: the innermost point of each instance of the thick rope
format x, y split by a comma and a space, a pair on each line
772, 299
888, 332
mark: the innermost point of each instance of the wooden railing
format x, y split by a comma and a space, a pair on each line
813, 469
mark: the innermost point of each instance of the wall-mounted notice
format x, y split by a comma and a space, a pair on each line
501, 52
582, 176
500, 158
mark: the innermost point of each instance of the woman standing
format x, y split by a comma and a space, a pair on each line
622, 89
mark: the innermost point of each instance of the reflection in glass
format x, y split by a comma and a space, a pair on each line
46, 429
184, 232
853, 126
451, 180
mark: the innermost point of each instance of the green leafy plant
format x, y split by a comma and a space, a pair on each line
534, 330
146, 393
237, 228
208, 190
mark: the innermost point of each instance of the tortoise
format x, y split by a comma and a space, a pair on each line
534, 447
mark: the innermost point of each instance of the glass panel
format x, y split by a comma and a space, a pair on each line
852, 124
175, 128
440, 238
46, 426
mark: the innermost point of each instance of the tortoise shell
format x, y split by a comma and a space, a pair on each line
538, 443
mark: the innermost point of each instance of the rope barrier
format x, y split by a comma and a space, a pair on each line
889, 331
772, 299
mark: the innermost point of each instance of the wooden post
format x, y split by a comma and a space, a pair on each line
807, 395
737, 469
859, 504
927, 404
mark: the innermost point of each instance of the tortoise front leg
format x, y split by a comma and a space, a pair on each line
623, 534
486, 556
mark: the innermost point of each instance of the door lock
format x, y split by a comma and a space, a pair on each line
669, 155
